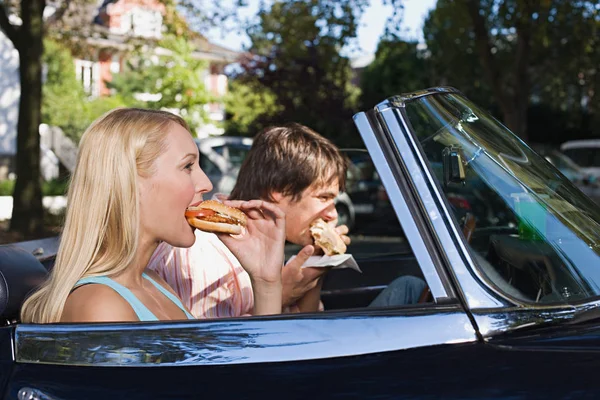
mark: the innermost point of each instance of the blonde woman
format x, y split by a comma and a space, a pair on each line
137, 171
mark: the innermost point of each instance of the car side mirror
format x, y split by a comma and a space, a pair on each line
453, 165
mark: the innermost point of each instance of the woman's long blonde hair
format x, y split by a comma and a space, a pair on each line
100, 234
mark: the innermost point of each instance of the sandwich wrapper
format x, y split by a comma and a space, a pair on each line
339, 261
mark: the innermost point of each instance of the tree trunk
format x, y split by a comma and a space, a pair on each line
28, 212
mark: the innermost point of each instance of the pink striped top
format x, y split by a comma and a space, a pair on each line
207, 277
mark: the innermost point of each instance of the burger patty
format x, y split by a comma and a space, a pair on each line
220, 219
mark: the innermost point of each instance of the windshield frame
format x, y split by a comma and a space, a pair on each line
457, 260
442, 219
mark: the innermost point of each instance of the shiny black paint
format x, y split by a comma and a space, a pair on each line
466, 371
6, 356
583, 337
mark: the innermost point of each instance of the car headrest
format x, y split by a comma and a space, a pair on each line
20, 273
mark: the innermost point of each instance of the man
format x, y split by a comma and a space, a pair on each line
302, 173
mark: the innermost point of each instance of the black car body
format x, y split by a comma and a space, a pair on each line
513, 312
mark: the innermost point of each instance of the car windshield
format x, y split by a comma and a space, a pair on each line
532, 233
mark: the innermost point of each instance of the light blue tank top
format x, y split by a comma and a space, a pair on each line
143, 313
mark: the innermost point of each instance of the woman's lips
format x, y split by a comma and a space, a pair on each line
195, 204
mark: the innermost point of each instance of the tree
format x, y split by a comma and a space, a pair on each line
28, 213
22, 21
452, 56
514, 49
249, 108
62, 87
176, 80
295, 54
398, 67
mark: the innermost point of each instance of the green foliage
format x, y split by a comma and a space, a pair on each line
540, 56
398, 67
177, 79
296, 55
55, 187
248, 106
63, 101
7, 187
65, 104
452, 54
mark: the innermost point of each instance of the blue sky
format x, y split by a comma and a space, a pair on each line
372, 25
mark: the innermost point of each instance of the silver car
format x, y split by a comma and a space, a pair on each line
221, 158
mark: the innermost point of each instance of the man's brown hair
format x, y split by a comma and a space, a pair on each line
288, 159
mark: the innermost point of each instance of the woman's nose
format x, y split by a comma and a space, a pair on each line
203, 184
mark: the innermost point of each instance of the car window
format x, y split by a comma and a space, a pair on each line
219, 149
209, 167
237, 154
585, 157
596, 158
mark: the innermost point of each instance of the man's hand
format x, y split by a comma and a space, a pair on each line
297, 281
343, 230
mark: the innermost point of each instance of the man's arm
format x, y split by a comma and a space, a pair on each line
311, 301
297, 281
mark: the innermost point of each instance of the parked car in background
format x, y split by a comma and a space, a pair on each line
374, 213
585, 153
221, 158
511, 310
587, 183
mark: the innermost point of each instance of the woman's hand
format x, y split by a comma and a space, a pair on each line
260, 250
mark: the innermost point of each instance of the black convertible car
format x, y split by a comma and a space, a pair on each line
511, 311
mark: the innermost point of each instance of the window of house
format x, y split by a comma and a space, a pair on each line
141, 22
88, 73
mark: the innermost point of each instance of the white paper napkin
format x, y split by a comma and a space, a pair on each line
340, 261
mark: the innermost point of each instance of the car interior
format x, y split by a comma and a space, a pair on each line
20, 273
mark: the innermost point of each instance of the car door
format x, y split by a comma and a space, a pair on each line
391, 352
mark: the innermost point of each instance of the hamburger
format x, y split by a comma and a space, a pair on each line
326, 237
213, 216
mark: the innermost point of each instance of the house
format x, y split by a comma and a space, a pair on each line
9, 103
116, 23
109, 27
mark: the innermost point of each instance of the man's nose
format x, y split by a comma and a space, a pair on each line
330, 213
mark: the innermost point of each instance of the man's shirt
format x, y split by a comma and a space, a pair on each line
207, 277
